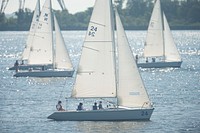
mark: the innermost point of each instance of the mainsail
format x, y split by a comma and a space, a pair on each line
96, 72
42, 47
154, 40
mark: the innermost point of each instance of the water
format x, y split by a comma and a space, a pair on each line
25, 103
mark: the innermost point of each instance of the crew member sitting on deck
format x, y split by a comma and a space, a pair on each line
80, 106
16, 63
147, 60
100, 105
59, 106
95, 106
153, 59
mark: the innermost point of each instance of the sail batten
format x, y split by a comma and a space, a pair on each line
98, 23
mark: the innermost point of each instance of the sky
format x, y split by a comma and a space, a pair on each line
72, 6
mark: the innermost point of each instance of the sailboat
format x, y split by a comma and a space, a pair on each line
159, 43
43, 52
25, 55
105, 73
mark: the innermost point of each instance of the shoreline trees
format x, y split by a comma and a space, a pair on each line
180, 14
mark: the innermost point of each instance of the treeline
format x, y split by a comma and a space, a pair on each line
181, 14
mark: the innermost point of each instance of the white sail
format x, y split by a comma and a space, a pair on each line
154, 40
62, 59
41, 49
171, 51
131, 91
96, 72
31, 34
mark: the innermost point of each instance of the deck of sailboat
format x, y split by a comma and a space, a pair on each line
174, 64
46, 73
117, 114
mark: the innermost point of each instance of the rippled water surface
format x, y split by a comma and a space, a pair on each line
25, 103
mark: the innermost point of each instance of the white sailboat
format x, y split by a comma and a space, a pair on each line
104, 74
42, 50
25, 55
159, 43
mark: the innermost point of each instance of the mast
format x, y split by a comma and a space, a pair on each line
163, 28
53, 47
113, 21
53, 51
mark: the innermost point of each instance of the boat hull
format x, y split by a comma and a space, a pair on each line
160, 64
27, 67
103, 115
45, 73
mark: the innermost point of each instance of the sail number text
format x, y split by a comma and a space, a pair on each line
92, 31
143, 113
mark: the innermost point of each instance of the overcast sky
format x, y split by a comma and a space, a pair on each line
73, 6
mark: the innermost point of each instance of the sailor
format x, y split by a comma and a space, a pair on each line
43, 68
153, 59
80, 106
147, 60
59, 106
17, 66
16, 63
95, 106
100, 105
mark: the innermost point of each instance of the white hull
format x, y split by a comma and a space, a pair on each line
160, 64
103, 115
46, 73
26, 67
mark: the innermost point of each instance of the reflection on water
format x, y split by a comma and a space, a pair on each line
109, 127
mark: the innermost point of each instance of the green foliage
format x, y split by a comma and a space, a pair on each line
136, 15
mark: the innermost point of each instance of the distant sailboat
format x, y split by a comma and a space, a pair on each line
103, 74
159, 43
25, 55
42, 50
